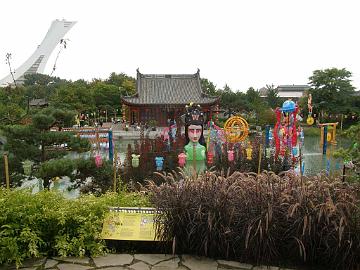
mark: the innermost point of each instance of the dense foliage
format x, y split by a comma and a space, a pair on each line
262, 218
47, 224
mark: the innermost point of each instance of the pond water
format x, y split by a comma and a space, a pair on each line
315, 162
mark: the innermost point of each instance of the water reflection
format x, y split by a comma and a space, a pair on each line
315, 162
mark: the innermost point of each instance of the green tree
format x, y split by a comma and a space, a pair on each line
44, 147
272, 97
208, 87
332, 90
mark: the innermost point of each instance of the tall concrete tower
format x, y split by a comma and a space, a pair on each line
37, 61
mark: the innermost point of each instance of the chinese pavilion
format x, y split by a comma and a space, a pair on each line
161, 97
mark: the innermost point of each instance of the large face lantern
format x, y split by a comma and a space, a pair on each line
194, 132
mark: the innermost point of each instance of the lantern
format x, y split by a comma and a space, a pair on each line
98, 160
210, 158
135, 160
249, 153
294, 151
159, 161
230, 155
182, 159
268, 152
27, 165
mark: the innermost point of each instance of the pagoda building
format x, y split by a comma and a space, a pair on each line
163, 97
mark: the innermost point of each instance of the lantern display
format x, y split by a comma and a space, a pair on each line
159, 161
230, 155
182, 159
210, 158
98, 160
27, 166
249, 153
135, 160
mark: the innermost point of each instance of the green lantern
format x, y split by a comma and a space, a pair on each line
135, 160
27, 166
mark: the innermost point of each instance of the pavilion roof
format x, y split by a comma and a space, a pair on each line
168, 89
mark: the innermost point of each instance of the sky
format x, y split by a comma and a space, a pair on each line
243, 43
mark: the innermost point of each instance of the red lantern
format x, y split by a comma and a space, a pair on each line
98, 161
210, 158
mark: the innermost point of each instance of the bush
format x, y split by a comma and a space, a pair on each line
46, 224
262, 218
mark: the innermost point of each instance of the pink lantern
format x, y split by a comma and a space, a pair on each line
230, 155
210, 158
182, 159
98, 160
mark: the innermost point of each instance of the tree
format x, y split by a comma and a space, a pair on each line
272, 97
331, 90
44, 147
208, 87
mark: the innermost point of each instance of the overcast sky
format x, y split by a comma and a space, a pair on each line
242, 43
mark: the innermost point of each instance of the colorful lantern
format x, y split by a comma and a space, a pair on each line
268, 152
98, 160
159, 161
249, 153
230, 155
182, 159
135, 160
27, 166
210, 158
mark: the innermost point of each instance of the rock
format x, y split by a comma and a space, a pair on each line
79, 260
167, 265
153, 258
199, 263
113, 260
50, 263
72, 266
233, 264
140, 266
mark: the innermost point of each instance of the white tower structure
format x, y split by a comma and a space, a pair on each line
37, 61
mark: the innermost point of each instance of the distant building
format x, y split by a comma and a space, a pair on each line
38, 102
37, 61
287, 91
161, 97
292, 91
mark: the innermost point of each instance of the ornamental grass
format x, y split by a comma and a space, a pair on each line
265, 219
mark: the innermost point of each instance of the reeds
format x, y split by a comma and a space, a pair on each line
266, 218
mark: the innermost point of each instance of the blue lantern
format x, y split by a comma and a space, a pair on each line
159, 161
288, 106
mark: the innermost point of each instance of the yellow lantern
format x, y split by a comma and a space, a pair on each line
135, 160
249, 153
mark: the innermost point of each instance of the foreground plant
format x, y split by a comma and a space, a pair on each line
262, 218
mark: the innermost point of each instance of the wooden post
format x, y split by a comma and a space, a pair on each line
260, 154
194, 159
115, 168
7, 178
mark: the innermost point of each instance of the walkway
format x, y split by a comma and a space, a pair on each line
137, 262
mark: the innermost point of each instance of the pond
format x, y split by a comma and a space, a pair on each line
315, 162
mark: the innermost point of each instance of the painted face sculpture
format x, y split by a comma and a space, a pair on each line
194, 133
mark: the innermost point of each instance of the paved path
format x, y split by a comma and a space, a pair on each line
137, 262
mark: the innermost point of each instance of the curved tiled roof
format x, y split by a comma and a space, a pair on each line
168, 89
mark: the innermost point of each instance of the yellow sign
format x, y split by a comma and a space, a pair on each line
129, 223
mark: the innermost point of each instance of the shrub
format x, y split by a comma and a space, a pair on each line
48, 224
262, 218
